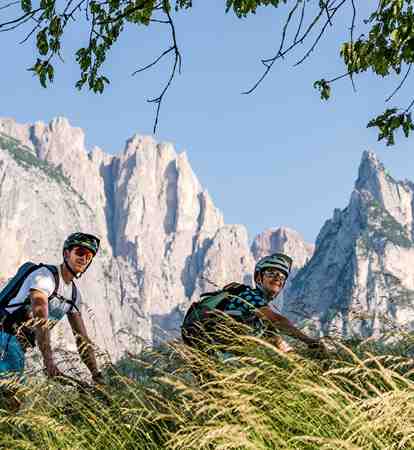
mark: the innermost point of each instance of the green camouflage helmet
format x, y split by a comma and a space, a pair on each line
278, 261
82, 240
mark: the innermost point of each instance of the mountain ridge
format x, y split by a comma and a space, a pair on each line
359, 280
164, 241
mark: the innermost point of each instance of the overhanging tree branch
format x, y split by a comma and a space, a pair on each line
302, 17
401, 83
148, 66
8, 5
321, 33
351, 76
384, 49
176, 65
268, 63
20, 20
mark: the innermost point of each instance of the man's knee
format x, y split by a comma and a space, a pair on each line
12, 357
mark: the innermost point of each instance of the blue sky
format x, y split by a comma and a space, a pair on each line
278, 157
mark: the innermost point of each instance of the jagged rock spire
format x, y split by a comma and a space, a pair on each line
361, 276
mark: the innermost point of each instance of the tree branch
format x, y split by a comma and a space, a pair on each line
281, 53
302, 16
177, 65
31, 32
321, 33
8, 5
401, 84
148, 66
409, 106
352, 41
22, 18
127, 12
291, 13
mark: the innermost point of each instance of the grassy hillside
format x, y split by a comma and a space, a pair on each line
361, 397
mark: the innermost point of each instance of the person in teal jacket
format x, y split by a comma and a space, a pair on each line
256, 307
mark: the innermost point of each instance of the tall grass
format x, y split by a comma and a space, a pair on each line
251, 397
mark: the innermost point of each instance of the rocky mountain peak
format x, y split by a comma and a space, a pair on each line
60, 123
59, 142
396, 197
284, 240
164, 241
369, 163
140, 143
99, 157
371, 174
161, 232
360, 280
21, 132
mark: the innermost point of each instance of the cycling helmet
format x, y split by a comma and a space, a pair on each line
82, 240
278, 261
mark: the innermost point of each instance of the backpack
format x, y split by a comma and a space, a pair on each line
11, 322
199, 319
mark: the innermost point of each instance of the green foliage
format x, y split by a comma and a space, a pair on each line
26, 6
242, 8
324, 88
44, 71
389, 43
108, 21
385, 50
389, 122
25, 158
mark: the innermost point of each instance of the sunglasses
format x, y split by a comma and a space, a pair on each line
275, 275
82, 251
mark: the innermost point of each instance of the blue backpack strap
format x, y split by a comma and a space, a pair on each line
14, 284
74, 297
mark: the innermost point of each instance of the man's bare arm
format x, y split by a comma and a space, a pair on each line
40, 309
84, 344
284, 325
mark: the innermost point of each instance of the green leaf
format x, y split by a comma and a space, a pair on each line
42, 42
324, 88
26, 5
55, 28
391, 121
50, 72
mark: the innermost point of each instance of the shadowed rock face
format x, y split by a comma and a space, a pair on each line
360, 279
163, 240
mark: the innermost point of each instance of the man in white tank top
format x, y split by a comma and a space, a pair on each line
47, 296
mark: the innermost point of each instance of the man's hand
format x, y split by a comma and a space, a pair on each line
318, 346
98, 378
52, 370
280, 344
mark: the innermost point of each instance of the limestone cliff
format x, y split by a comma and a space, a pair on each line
360, 279
163, 240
